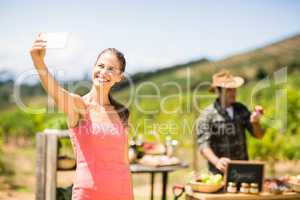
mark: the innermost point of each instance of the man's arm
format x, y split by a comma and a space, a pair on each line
203, 140
219, 163
251, 121
209, 155
255, 122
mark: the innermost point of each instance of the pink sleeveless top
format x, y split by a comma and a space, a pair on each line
102, 165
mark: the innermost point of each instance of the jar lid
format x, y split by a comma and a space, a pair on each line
245, 184
254, 185
231, 184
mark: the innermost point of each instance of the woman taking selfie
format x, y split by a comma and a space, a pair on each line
98, 127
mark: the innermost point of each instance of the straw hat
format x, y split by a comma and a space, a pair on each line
225, 79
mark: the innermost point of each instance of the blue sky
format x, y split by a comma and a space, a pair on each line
152, 34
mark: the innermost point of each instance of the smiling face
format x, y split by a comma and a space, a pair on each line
230, 95
227, 95
107, 71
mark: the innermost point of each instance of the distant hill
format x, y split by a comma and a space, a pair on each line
144, 75
269, 58
253, 64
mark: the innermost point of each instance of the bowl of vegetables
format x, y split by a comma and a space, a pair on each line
207, 183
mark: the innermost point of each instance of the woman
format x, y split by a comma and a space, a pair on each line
98, 127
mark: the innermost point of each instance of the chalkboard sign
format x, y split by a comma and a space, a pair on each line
245, 172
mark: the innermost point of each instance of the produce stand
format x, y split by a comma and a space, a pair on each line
207, 186
190, 195
263, 196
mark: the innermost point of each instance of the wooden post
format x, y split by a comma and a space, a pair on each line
195, 147
152, 185
46, 163
51, 162
40, 166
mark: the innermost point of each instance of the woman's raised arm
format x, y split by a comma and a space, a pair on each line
70, 103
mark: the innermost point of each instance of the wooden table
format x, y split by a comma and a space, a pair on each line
190, 195
165, 170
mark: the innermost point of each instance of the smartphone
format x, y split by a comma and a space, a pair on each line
55, 40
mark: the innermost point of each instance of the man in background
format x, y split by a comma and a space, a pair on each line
221, 127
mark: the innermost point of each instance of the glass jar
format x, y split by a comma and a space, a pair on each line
231, 188
254, 188
244, 188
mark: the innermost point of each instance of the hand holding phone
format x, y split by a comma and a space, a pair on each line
55, 40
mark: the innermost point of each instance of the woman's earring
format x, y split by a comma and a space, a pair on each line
123, 78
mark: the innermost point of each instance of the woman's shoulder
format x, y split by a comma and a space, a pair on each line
86, 98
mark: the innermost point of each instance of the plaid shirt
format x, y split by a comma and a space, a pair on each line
225, 136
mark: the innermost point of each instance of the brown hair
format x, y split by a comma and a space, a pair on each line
121, 109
